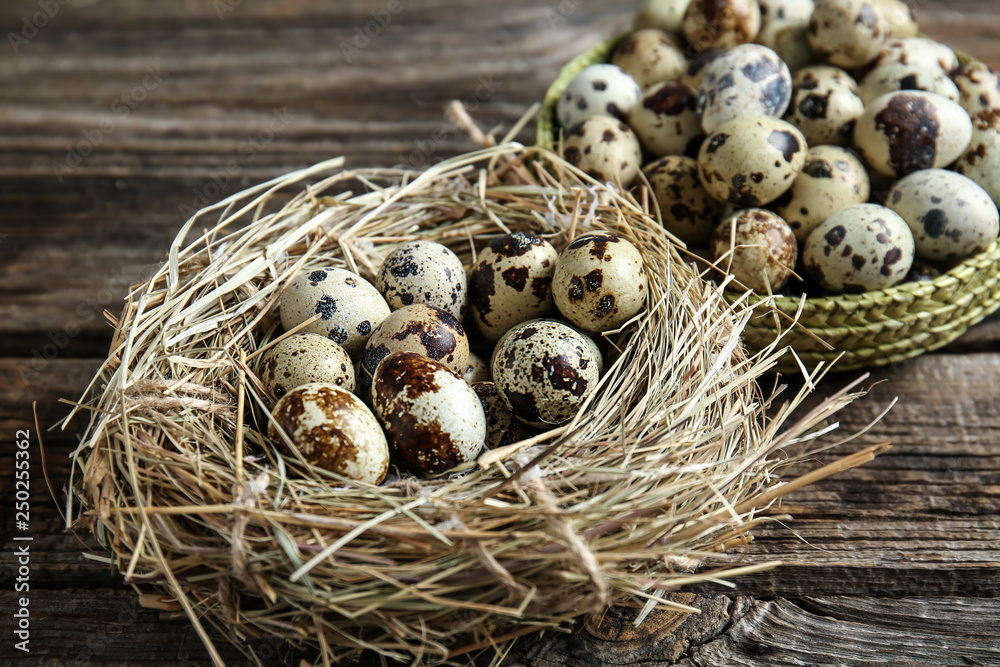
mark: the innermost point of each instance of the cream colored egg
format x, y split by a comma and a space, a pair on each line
686, 209
720, 24
424, 272
746, 79
304, 358
981, 160
792, 11
832, 179
825, 109
897, 76
847, 33
667, 120
859, 249
899, 16
348, 305
666, 15
817, 73
511, 282
432, 418
599, 282
790, 40
544, 370
598, 90
332, 429
978, 87
649, 56
605, 149
919, 51
757, 247
476, 370
695, 71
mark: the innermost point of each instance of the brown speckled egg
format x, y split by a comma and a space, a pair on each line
511, 282
424, 272
420, 328
476, 370
825, 109
794, 11
919, 51
900, 133
598, 90
859, 249
432, 418
832, 179
981, 160
747, 79
544, 370
649, 56
332, 429
847, 33
695, 71
667, 121
600, 282
686, 209
502, 428
349, 306
757, 247
788, 39
899, 16
304, 358
751, 160
816, 73
951, 217
897, 76
978, 87
666, 15
720, 24
604, 149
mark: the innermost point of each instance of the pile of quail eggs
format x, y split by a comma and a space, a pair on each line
369, 375
819, 146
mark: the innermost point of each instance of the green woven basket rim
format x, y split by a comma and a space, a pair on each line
852, 323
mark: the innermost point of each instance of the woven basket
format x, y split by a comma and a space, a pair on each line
861, 330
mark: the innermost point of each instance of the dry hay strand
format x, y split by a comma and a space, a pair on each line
669, 465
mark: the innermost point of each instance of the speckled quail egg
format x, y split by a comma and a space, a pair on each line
981, 160
476, 370
332, 429
424, 272
793, 11
751, 160
978, 87
432, 418
599, 282
897, 76
922, 271
604, 149
859, 249
817, 73
649, 56
667, 121
348, 305
502, 428
919, 51
721, 24
900, 133
511, 282
899, 16
832, 179
789, 39
303, 358
951, 217
847, 33
420, 328
544, 370
696, 68
598, 90
825, 110
666, 15
686, 209
757, 247
747, 79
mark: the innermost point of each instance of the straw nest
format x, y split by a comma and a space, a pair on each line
666, 469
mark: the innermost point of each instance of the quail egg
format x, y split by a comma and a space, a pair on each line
476, 370
903, 132
332, 429
686, 209
747, 79
897, 76
847, 33
511, 282
649, 56
544, 370
599, 282
348, 305
432, 418
604, 149
667, 121
666, 15
832, 179
424, 272
757, 247
981, 160
793, 11
696, 68
502, 428
922, 271
919, 51
721, 24
978, 87
814, 74
788, 39
825, 109
899, 16
598, 90
859, 249
303, 358
751, 160
951, 217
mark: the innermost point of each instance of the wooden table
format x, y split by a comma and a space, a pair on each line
119, 116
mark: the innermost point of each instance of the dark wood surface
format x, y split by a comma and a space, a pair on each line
897, 562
